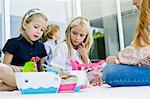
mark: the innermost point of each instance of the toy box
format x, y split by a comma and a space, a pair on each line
48, 82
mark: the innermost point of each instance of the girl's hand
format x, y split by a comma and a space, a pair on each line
83, 52
64, 75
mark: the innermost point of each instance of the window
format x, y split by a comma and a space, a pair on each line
103, 15
129, 19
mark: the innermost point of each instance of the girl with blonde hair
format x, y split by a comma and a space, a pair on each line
131, 66
76, 46
19, 50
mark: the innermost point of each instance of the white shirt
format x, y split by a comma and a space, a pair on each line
61, 57
50, 46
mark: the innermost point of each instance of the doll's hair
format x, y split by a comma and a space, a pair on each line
51, 30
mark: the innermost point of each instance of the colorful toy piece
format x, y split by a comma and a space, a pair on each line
92, 69
49, 69
77, 66
29, 67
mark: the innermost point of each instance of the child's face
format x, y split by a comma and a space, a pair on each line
34, 30
78, 34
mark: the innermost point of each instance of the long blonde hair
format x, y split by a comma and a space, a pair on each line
82, 21
142, 36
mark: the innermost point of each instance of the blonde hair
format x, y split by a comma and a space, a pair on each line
30, 15
142, 35
51, 30
79, 21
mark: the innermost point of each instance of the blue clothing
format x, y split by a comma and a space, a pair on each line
118, 75
23, 51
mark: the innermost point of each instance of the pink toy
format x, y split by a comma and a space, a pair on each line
92, 69
77, 66
67, 87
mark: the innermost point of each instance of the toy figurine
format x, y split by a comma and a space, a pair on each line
49, 69
29, 67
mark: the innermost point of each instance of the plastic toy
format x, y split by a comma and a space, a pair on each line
68, 84
77, 66
29, 67
49, 82
92, 69
38, 63
49, 69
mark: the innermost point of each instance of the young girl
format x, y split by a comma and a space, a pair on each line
136, 56
24, 48
76, 46
52, 34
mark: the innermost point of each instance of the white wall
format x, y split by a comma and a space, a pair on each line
55, 10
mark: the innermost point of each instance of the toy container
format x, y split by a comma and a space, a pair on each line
48, 82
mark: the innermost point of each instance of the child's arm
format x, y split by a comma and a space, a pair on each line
7, 58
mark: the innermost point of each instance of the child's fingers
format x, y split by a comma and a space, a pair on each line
64, 75
80, 46
83, 44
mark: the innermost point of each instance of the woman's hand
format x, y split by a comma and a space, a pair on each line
145, 62
112, 60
